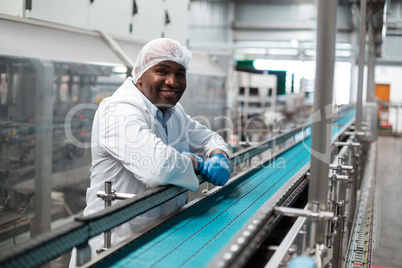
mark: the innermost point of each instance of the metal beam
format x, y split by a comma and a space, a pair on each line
321, 134
286, 26
396, 28
362, 46
43, 145
370, 58
394, 34
384, 33
300, 35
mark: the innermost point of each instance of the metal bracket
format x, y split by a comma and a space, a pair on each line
355, 133
336, 205
296, 212
108, 196
313, 215
113, 196
341, 178
340, 167
346, 143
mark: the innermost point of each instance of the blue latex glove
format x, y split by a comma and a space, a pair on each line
199, 159
216, 169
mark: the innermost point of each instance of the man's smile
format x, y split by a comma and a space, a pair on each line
169, 93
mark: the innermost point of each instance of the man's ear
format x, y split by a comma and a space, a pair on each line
139, 83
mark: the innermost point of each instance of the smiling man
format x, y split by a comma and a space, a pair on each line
142, 137
163, 84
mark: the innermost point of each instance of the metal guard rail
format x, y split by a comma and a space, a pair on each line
47, 247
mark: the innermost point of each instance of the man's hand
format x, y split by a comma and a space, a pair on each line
216, 169
198, 162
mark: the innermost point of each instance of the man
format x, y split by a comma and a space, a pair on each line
142, 137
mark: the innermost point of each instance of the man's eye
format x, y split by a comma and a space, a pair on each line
161, 71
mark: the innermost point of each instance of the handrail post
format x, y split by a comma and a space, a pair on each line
108, 202
321, 134
362, 47
83, 254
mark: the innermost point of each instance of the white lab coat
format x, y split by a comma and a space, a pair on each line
131, 148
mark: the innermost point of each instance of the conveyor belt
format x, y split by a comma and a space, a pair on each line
192, 238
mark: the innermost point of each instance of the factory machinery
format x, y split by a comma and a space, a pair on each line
258, 218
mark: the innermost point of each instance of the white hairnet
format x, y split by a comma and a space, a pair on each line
158, 50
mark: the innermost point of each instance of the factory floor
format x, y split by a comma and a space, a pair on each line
387, 248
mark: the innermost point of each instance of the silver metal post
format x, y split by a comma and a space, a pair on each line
352, 191
387, 5
246, 100
312, 227
397, 119
108, 203
339, 228
83, 254
362, 46
338, 251
370, 58
352, 92
108, 196
44, 70
321, 133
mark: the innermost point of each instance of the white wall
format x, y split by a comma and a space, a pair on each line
12, 7
383, 75
113, 17
390, 75
72, 12
149, 23
341, 90
178, 11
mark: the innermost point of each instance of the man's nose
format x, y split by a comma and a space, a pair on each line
171, 80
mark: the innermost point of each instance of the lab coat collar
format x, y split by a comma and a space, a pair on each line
149, 106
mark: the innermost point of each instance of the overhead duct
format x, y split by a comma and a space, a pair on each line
385, 23
378, 20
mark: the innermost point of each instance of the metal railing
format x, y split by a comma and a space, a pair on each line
47, 247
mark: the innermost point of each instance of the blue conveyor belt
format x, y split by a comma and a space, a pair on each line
192, 238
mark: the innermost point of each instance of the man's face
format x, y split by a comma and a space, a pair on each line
163, 84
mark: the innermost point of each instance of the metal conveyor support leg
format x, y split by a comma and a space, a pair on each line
83, 254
